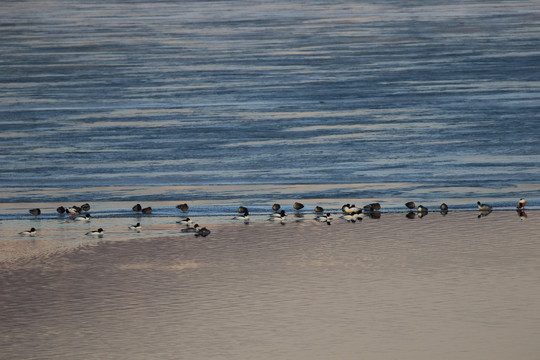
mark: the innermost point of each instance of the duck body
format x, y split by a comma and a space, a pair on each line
95, 232
190, 229
242, 209
244, 217
186, 221
298, 206
521, 203
136, 227
324, 218
74, 210
183, 207
147, 210
83, 218
35, 211
410, 205
30, 232
483, 207
137, 208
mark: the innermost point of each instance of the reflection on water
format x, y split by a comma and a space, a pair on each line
429, 288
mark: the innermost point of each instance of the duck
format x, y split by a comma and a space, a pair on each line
368, 208
96, 232
276, 207
136, 227
35, 211
30, 232
242, 209
298, 206
137, 208
244, 217
186, 221
61, 210
375, 206
352, 209
85, 207
83, 218
422, 209
410, 205
318, 209
443, 207
203, 232
278, 216
483, 207
324, 218
521, 203
190, 229
183, 207
74, 210
147, 210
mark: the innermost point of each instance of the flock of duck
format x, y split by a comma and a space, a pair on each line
350, 213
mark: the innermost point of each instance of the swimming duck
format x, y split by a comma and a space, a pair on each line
318, 209
190, 229
410, 205
242, 209
183, 207
298, 206
95, 232
74, 210
60, 209
83, 218
521, 203
352, 209
137, 208
85, 207
483, 207
278, 216
443, 207
375, 206
186, 221
244, 217
276, 207
324, 218
147, 210
422, 209
136, 227
30, 232
35, 211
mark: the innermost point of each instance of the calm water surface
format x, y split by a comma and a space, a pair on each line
453, 287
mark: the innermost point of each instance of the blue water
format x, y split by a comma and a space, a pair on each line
165, 100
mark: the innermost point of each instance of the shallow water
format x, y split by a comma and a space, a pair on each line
111, 100
439, 287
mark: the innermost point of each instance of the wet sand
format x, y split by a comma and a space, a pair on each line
446, 287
